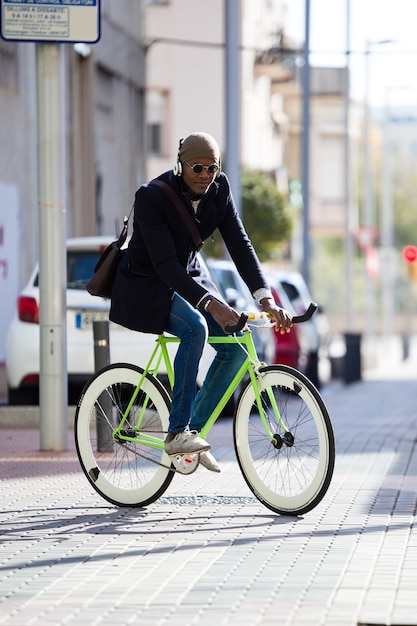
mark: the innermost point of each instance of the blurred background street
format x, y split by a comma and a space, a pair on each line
319, 120
313, 104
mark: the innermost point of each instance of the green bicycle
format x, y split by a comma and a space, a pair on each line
282, 432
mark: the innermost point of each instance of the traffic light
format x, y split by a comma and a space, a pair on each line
410, 256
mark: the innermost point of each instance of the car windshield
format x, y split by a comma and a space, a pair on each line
80, 267
294, 296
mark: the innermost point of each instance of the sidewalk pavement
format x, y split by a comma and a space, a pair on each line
208, 552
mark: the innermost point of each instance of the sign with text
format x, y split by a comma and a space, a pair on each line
51, 20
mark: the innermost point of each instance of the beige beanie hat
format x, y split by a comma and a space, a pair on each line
199, 145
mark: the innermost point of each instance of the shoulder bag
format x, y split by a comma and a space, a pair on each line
105, 271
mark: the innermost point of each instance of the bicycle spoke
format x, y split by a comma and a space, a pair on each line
290, 471
124, 459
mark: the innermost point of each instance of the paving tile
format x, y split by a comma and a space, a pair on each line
208, 552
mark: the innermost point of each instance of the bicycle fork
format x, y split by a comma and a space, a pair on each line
277, 440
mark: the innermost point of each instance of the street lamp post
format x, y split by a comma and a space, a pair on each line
388, 255
349, 218
306, 149
369, 206
388, 269
233, 96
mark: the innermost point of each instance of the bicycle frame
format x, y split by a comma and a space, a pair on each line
160, 354
123, 416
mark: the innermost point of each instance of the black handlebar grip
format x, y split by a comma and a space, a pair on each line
230, 330
306, 316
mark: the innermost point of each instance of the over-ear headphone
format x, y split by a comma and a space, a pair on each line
178, 165
178, 168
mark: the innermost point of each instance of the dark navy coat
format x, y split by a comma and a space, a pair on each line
161, 258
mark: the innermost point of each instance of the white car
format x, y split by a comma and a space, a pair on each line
23, 337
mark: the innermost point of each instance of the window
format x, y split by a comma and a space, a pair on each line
156, 116
154, 138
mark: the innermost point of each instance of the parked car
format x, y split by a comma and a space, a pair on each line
300, 347
236, 293
23, 336
309, 339
238, 296
287, 348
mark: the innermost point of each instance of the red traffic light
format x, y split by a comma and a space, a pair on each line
410, 254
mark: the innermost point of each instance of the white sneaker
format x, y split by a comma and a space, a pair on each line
186, 443
209, 462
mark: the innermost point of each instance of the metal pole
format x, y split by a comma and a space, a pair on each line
306, 148
348, 211
369, 209
101, 359
369, 205
232, 91
53, 400
388, 265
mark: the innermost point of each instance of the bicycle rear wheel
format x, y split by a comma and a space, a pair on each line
125, 473
290, 472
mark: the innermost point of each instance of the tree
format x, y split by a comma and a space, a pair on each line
404, 200
264, 215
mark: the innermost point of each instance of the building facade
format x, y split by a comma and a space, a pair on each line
102, 123
157, 74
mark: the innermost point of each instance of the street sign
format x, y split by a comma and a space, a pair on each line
366, 237
410, 256
62, 21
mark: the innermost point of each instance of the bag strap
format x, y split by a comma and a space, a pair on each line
198, 242
123, 235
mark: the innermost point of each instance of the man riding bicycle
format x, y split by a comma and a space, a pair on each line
160, 285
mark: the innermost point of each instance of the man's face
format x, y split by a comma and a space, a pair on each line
198, 184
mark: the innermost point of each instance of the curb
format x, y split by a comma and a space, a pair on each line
20, 417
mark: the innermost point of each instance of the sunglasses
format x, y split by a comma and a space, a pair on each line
198, 168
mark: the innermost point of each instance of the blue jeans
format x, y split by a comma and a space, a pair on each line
192, 328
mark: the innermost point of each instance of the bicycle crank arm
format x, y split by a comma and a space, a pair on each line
183, 463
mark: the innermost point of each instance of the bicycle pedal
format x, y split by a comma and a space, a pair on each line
185, 463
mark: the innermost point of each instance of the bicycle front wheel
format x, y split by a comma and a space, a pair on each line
286, 450
124, 472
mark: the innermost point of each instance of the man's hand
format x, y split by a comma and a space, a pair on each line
223, 314
283, 319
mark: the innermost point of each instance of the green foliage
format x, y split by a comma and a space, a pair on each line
264, 215
405, 208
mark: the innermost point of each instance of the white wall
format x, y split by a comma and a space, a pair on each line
9, 258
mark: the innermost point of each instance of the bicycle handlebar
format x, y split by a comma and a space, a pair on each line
230, 330
297, 319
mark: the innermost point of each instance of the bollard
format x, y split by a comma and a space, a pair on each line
406, 346
353, 362
101, 359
